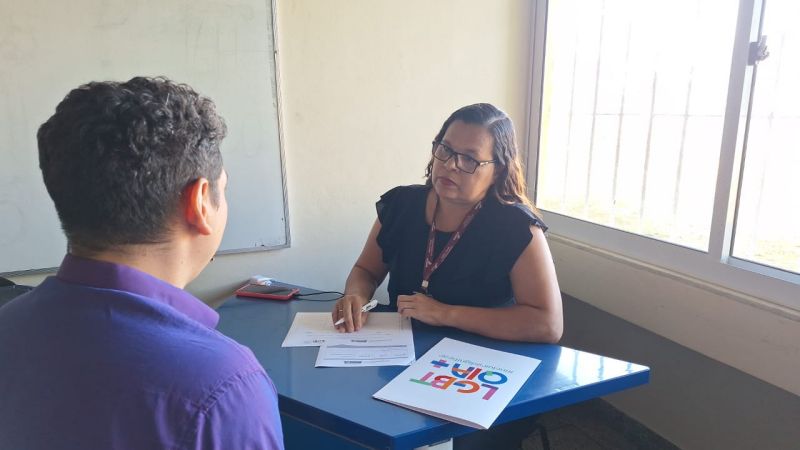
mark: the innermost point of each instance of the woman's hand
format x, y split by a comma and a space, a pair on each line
349, 308
423, 308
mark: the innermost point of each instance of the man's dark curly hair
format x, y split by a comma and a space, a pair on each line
116, 158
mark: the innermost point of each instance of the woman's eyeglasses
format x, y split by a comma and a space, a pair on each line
464, 162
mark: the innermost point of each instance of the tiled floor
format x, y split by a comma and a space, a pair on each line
595, 425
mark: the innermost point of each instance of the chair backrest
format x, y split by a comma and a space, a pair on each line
9, 290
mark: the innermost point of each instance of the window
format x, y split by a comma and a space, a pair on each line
768, 218
663, 133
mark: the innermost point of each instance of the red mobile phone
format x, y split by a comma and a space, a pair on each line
270, 292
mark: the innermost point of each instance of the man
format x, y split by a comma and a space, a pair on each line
112, 353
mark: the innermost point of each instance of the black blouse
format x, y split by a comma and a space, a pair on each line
477, 271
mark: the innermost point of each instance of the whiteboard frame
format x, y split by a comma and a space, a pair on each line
281, 152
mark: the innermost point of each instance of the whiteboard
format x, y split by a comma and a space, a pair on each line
223, 49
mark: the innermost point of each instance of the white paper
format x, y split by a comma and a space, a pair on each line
314, 329
460, 382
358, 352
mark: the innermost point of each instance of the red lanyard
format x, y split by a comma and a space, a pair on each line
431, 266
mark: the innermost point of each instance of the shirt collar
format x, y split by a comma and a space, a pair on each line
106, 275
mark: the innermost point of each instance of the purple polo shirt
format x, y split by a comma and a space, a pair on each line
103, 356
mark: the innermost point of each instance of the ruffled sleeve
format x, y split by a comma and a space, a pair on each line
385, 206
533, 219
514, 225
396, 210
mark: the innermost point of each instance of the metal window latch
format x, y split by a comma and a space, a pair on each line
758, 51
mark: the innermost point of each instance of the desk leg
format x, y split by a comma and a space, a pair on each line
444, 445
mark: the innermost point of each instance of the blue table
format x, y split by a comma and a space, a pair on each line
334, 408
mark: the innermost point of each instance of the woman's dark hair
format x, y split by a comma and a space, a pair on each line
117, 156
509, 186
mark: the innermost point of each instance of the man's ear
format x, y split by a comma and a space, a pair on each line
197, 204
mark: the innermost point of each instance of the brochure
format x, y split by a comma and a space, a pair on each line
460, 382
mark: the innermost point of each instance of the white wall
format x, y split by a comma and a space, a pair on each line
692, 400
740, 331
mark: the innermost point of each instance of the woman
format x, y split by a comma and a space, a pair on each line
465, 250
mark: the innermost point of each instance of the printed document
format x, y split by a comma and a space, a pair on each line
354, 351
314, 329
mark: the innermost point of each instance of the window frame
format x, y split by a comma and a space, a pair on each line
717, 268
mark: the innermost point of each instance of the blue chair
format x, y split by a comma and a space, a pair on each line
9, 290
